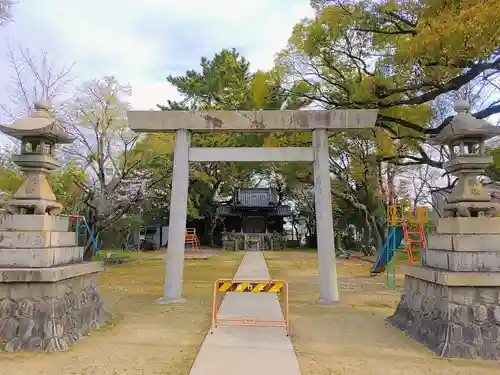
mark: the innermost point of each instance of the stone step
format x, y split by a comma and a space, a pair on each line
34, 223
468, 225
464, 242
462, 261
31, 239
41, 257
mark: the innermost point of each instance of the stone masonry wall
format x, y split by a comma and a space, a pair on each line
49, 316
451, 321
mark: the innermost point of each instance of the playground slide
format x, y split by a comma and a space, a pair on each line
392, 242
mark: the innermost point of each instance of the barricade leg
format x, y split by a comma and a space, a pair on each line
253, 286
214, 307
285, 313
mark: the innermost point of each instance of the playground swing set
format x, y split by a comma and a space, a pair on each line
405, 224
81, 225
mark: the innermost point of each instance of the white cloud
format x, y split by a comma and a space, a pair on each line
142, 42
146, 96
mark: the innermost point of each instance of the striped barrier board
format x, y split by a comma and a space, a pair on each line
223, 286
269, 287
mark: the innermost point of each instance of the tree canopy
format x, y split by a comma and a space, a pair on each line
226, 82
410, 59
396, 56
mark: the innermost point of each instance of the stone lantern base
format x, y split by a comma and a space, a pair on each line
49, 297
452, 302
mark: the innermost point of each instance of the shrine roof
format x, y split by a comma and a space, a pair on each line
280, 210
255, 197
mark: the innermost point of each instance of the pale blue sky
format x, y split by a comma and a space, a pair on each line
141, 42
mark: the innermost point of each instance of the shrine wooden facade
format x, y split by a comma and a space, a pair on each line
254, 210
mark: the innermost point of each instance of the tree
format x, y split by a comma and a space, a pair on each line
66, 191
5, 11
34, 78
108, 184
400, 58
225, 82
396, 57
10, 176
96, 117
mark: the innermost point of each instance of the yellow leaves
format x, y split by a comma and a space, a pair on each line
357, 168
298, 139
10, 180
384, 143
312, 33
454, 31
153, 146
260, 90
332, 15
161, 143
416, 114
300, 33
363, 90
389, 6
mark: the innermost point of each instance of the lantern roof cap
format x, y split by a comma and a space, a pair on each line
465, 126
39, 124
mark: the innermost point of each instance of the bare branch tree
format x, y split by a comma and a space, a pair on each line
96, 116
33, 78
5, 11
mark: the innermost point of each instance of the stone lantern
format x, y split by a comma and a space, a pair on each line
451, 303
38, 133
465, 137
49, 296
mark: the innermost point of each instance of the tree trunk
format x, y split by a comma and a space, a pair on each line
381, 184
391, 186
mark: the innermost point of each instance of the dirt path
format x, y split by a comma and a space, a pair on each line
353, 338
146, 338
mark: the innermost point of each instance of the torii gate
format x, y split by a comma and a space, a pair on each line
183, 123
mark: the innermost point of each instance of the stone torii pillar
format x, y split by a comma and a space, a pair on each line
328, 288
317, 122
177, 220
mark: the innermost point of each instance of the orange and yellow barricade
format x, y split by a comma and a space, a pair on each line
249, 286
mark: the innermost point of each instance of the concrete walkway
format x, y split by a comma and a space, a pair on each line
248, 350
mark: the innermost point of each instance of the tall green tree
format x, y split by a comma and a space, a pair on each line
396, 56
225, 82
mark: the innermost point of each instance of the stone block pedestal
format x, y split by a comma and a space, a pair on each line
452, 302
452, 318
49, 297
49, 309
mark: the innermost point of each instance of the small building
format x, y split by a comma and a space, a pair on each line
254, 210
